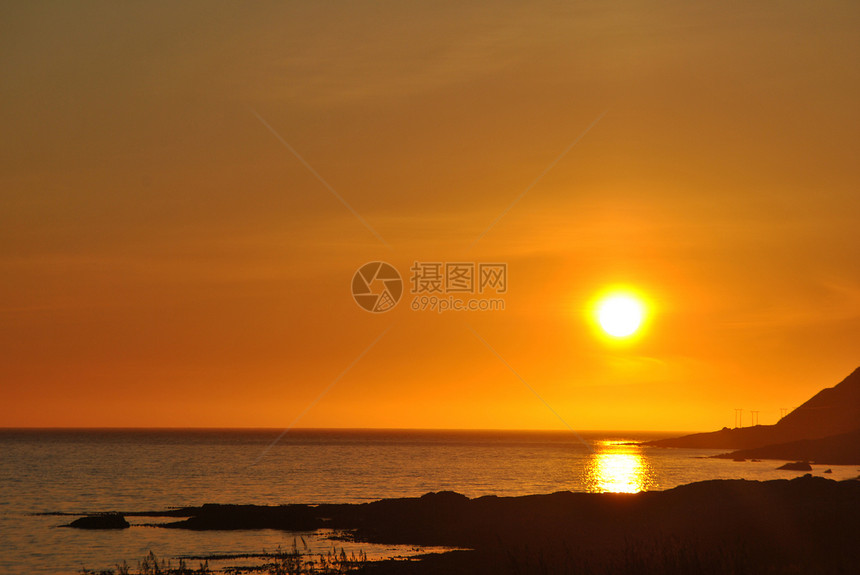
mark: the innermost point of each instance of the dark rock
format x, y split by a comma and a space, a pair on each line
802, 525
828, 471
231, 517
101, 521
444, 498
796, 466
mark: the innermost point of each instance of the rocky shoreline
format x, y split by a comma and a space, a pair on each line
807, 524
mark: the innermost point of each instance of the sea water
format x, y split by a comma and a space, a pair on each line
80, 471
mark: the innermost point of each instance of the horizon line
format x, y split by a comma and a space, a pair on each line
305, 429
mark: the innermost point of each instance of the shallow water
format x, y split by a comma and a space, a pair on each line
76, 471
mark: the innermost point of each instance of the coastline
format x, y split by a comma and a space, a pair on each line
806, 524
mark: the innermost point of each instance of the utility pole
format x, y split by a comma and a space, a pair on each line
753, 417
739, 420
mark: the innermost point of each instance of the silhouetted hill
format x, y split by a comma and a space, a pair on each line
832, 411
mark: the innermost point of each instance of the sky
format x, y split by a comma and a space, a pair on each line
187, 189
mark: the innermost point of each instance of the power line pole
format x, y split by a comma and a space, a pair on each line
739, 421
753, 417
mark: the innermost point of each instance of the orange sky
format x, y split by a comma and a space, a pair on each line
166, 260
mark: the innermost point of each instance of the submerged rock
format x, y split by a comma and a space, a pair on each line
796, 466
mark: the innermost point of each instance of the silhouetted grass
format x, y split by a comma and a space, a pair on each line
280, 562
295, 562
150, 565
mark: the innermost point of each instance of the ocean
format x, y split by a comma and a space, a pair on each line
43, 471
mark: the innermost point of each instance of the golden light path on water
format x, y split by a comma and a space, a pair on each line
618, 467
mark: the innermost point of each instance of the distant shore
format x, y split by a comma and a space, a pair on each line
823, 430
804, 525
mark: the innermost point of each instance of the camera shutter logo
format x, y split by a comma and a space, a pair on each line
377, 287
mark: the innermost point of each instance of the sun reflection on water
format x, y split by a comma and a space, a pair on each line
618, 467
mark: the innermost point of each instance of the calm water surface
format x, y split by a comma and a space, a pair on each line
134, 470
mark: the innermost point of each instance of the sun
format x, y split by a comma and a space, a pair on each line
620, 315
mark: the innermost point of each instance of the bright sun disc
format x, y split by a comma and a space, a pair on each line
620, 315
